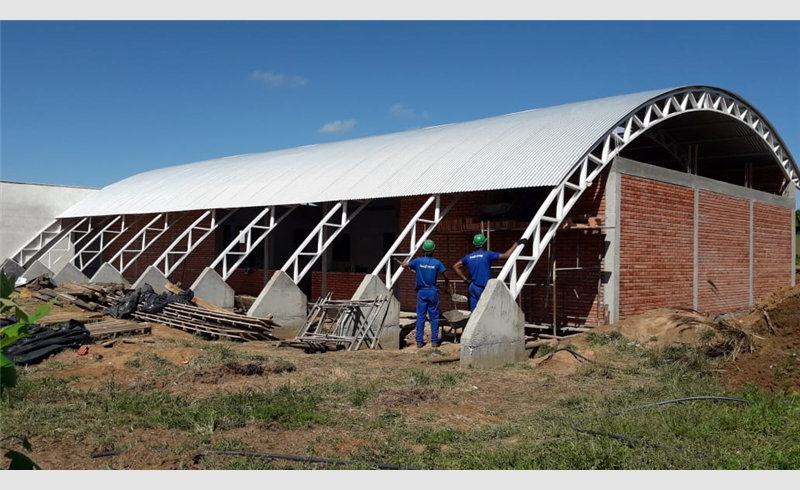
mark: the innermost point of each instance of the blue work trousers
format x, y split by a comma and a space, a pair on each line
428, 302
475, 293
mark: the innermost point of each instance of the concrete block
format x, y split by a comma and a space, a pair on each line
370, 288
287, 304
11, 269
70, 273
35, 270
495, 333
154, 278
107, 274
211, 287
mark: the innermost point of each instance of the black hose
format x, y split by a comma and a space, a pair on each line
106, 454
309, 459
680, 400
306, 459
652, 444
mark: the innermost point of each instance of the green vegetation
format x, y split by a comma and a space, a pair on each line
416, 416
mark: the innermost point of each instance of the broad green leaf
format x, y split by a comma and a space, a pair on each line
42, 311
8, 375
6, 341
20, 461
15, 330
6, 285
21, 315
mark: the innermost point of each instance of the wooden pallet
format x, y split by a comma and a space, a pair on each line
116, 328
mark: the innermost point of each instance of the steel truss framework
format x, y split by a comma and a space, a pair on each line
49, 236
385, 265
71, 239
251, 235
559, 202
187, 241
321, 242
140, 242
106, 236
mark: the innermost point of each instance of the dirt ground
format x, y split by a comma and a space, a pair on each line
488, 396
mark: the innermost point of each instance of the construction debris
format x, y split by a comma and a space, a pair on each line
216, 324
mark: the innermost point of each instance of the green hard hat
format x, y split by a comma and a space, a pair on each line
479, 240
428, 246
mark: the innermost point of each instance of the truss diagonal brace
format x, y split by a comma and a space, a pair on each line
251, 235
415, 242
71, 240
124, 225
189, 240
321, 243
43, 241
119, 261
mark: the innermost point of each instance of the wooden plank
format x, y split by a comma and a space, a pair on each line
198, 301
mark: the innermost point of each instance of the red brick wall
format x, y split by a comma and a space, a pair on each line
341, 284
723, 253
657, 248
772, 248
656, 234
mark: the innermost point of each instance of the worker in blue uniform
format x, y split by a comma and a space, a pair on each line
427, 270
479, 264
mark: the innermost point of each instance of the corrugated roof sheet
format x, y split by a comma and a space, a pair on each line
526, 149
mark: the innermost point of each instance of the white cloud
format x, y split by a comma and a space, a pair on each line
399, 110
338, 126
276, 80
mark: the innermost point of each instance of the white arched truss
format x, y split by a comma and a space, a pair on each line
559, 202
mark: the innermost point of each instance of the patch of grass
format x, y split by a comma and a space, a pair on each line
605, 338
360, 395
282, 366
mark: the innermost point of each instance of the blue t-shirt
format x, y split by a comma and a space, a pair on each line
426, 268
479, 264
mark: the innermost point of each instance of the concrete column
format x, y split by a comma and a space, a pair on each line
35, 270
696, 252
12, 269
154, 278
70, 273
372, 287
495, 333
612, 241
107, 274
287, 304
212, 288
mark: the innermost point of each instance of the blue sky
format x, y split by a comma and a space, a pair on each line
89, 103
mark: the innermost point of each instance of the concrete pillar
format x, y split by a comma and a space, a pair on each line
212, 288
154, 278
35, 270
107, 274
12, 269
70, 273
287, 304
372, 287
495, 333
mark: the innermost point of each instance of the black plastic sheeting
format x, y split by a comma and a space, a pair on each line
148, 301
42, 342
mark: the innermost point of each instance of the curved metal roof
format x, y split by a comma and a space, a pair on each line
525, 149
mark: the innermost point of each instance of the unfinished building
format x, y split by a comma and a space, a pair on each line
680, 198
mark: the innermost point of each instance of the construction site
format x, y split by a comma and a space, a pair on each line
652, 222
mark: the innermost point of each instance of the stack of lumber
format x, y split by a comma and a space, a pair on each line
92, 297
213, 323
